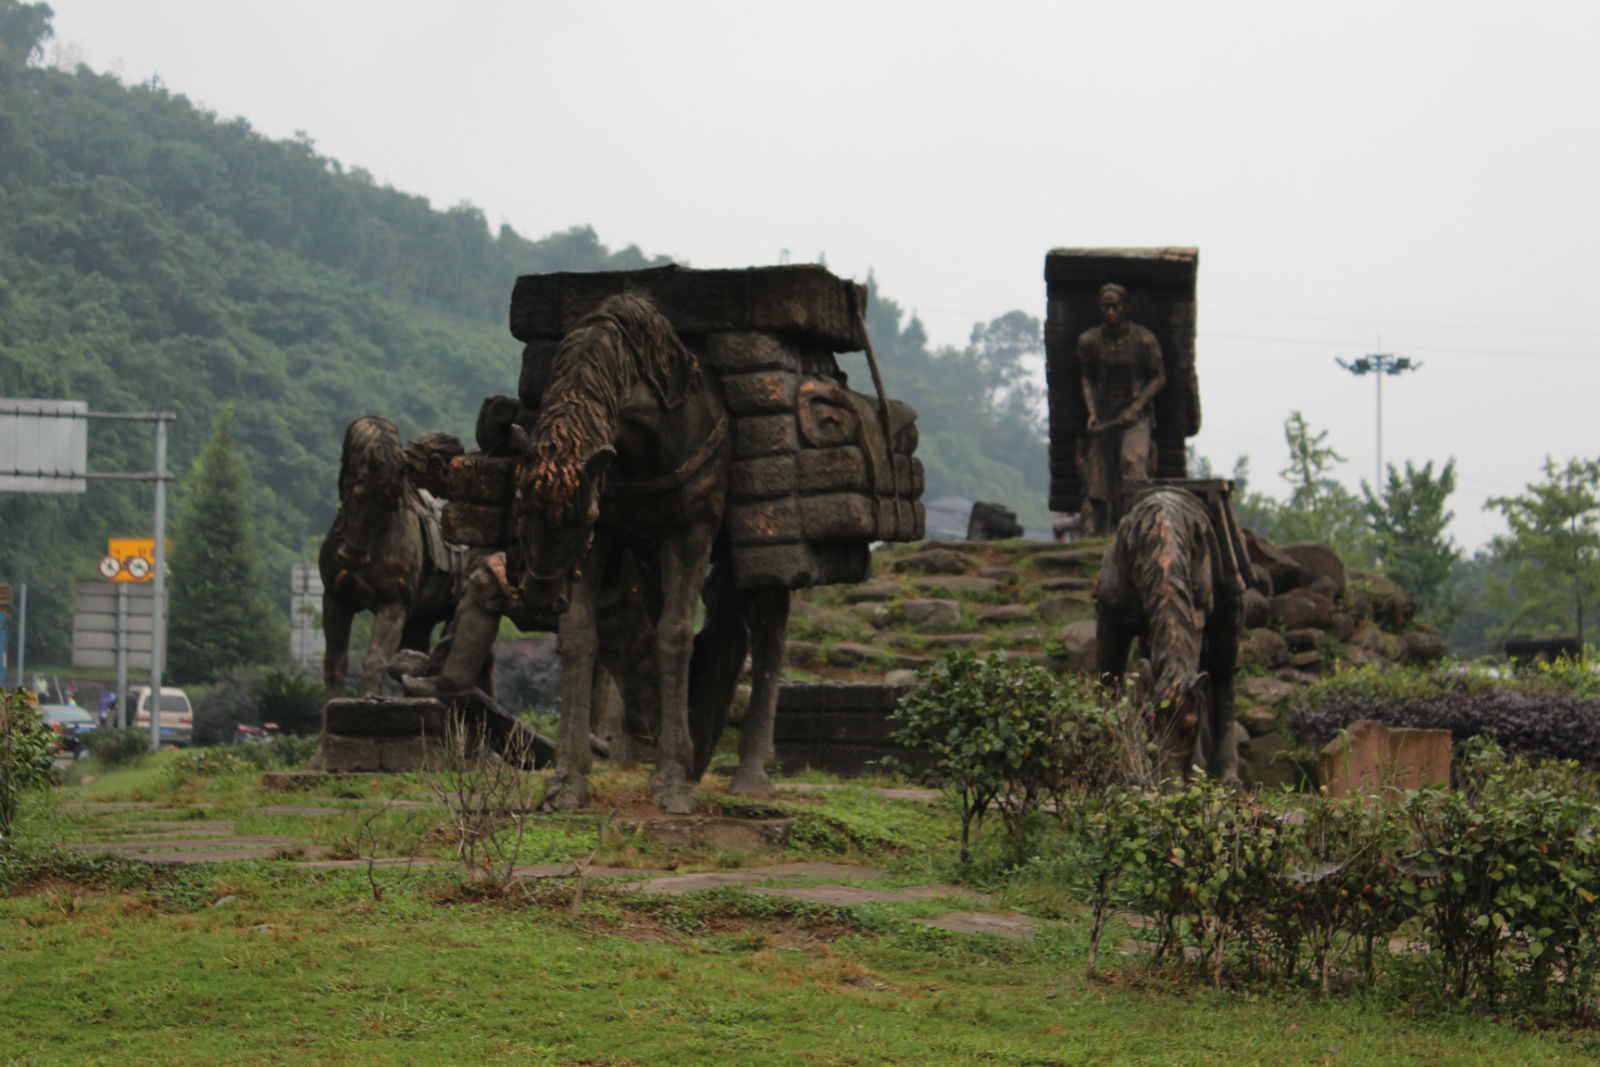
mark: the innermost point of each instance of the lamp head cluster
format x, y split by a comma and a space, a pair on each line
1381, 363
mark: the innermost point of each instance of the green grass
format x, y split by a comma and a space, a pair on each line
271, 962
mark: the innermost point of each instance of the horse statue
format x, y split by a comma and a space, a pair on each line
630, 454
384, 554
1167, 580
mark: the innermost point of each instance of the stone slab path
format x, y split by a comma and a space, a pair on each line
183, 842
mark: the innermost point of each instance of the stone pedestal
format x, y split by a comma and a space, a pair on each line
1374, 759
840, 727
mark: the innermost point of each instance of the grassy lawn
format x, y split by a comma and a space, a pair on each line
268, 961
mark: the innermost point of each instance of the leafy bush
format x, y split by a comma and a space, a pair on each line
286, 753
293, 701
206, 763
117, 746
221, 708
27, 753
1533, 715
1008, 734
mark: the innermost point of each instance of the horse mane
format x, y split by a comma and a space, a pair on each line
372, 453
623, 341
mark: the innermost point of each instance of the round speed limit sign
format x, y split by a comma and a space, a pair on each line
110, 567
138, 567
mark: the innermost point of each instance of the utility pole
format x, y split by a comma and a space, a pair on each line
1380, 365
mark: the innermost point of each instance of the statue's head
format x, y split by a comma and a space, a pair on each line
1113, 304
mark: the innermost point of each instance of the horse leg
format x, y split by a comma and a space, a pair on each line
387, 624
336, 645
577, 638
683, 574
769, 622
714, 665
1223, 639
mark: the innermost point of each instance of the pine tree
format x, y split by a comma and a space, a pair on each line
219, 617
1409, 522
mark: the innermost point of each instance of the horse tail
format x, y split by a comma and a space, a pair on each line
1171, 564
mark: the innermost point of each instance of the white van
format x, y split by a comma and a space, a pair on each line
177, 717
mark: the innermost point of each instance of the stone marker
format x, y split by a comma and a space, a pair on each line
1374, 758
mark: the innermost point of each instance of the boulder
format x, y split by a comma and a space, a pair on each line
1266, 764
1318, 561
1261, 689
1422, 647
1302, 608
850, 654
1263, 648
1257, 608
1310, 662
802, 653
1059, 609
1391, 606
1078, 640
1343, 626
1285, 572
1376, 642
1005, 575
1260, 719
1304, 640
970, 585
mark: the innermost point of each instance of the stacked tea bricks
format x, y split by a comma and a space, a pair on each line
819, 471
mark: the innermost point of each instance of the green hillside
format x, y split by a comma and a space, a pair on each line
154, 257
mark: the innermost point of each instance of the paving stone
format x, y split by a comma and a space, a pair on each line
1011, 926
936, 615
1003, 575
1070, 561
714, 831
846, 895
874, 614
1058, 609
934, 561
1061, 585
957, 640
971, 586
851, 654
859, 594
1001, 614
928, 796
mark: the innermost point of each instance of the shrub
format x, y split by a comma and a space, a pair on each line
292, 701
1532, 715
1008, 734
286, 753
27, 753
206, 763
220, 710
117, 746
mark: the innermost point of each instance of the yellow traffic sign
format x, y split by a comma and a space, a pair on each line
129, 559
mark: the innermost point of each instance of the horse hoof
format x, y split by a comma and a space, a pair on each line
676, 799
751, 782
568, 793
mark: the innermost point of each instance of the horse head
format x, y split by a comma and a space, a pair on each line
1183, 704
371, 487
556, 508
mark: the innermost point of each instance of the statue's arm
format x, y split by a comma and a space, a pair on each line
1086, 370
1155, 367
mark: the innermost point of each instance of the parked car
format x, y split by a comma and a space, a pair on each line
177, 717
70, 722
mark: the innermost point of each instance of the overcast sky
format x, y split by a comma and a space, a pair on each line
1415, 178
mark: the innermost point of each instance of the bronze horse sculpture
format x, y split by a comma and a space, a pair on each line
1165, 580
383, 554
630, 457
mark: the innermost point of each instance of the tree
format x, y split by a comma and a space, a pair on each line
1408, 523
219, 615
1554, 547
1319, 508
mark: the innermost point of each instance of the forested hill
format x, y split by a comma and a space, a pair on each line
154, 257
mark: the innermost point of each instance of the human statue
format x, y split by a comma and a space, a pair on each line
1122, 373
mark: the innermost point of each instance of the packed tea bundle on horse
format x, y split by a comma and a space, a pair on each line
819, 472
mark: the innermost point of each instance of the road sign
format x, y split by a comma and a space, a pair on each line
129, 559
95, 630
305, 614
44, 446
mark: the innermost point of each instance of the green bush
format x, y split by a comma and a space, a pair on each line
206, 763
1011, 735
281, 753
27, 753
292, 701
118, 746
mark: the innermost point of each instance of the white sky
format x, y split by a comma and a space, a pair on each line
1415, 178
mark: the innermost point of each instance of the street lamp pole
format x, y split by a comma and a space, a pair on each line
1380, 365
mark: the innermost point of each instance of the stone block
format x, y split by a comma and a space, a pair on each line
833, 469
968, 585
743, 351
479, 479
1005, 614
1059, 609
939, 616
764, 522
755, 436
934, 561
805, 303
1372, 758
763, 479
1260, 689
838, 517
1079, 640
1264, 648
760, 392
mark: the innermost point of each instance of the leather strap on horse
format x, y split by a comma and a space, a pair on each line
859, 306
673, 478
